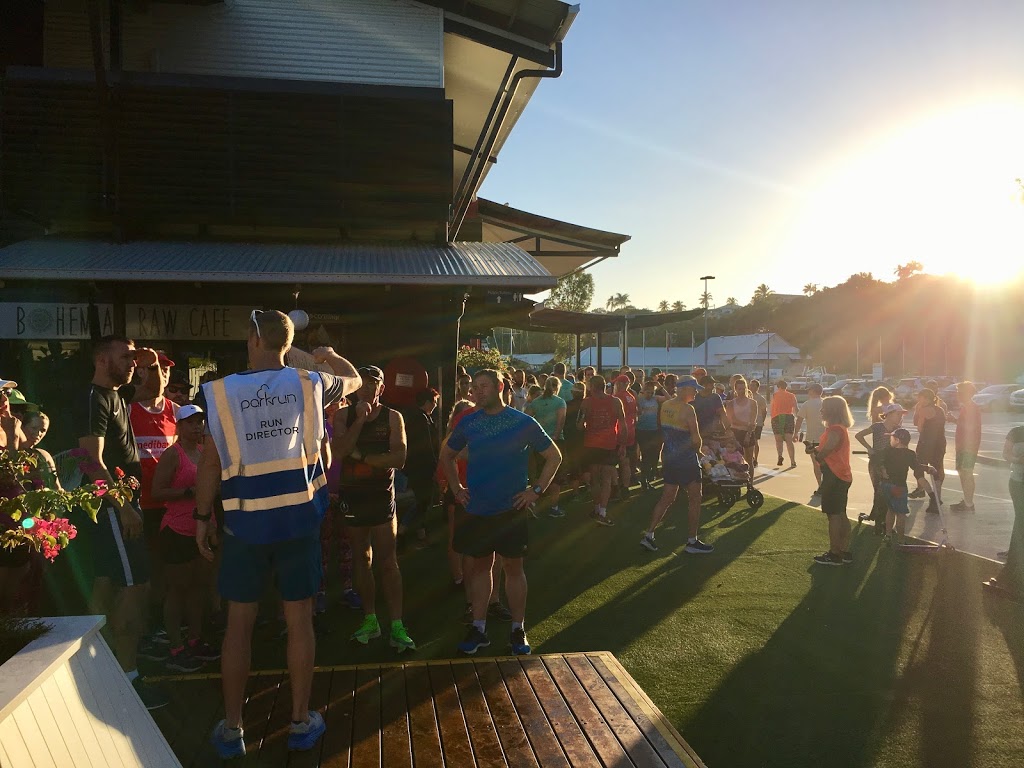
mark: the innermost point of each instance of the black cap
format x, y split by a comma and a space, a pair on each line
371, 372
708, 380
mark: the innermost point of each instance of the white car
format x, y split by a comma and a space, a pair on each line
995, 397
1017, 400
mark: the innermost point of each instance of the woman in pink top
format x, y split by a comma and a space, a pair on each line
188, 574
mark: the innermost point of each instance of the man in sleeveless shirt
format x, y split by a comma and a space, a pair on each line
263, 454
369, 440
604, 443
680, 464
154, 424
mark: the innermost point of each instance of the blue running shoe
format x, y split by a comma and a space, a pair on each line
352, 599
518, 643
229, 742
304, 736
475, 640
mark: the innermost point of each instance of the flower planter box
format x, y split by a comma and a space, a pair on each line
64, 701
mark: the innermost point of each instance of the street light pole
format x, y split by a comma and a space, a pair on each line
705, 278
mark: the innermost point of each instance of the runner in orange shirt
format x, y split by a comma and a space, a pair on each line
784, 420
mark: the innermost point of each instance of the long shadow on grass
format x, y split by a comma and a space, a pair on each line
653, 596
941, 683
816, 692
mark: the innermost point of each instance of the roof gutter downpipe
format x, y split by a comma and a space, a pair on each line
466, 192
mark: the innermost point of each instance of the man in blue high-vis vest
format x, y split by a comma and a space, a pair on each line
263, 457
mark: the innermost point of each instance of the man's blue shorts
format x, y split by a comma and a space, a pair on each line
681, 470
245, 568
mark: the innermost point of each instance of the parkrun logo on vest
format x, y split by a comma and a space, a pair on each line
263, 397
269, 427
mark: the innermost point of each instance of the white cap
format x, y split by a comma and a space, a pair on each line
187, 412
892, 408
7, 384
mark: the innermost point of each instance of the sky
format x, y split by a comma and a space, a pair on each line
784, 143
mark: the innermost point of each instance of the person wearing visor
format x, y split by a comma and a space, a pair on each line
370, 442
263, 453
187, 574
11, 434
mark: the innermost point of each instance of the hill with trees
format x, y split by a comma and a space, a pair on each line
918, 324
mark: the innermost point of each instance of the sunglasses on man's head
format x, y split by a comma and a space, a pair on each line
255, 322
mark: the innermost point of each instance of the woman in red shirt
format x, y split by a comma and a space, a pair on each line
836, 477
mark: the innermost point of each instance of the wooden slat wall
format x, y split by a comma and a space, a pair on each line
86, 714
205, 156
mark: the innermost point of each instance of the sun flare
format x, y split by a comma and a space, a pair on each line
941, 191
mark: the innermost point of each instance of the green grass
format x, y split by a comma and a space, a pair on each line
757, 656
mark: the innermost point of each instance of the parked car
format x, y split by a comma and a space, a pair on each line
1017, 400
836, 388
995, 397
907, 389
799, 385
857, 391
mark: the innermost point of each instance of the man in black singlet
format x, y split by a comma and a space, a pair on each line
369, 440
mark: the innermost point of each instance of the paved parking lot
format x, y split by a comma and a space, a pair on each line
983, 532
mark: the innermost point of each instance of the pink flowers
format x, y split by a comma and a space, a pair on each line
52, 535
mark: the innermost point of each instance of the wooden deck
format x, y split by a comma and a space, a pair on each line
580, 709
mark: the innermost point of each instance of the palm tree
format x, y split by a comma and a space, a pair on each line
678, 306
616, 301
903, 271
810, 289
663, 306
705, 299
761, 293
731, 302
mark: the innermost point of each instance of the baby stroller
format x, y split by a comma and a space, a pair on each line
728, 481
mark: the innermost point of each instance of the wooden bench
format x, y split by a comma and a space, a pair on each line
557, 710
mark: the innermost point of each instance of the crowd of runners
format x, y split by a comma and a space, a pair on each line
273, 474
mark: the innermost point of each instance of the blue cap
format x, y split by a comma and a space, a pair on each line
687, 381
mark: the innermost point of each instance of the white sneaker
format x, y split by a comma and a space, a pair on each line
647, 542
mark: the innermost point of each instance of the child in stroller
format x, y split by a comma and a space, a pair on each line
725, 473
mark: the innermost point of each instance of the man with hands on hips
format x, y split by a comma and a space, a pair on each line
496, 503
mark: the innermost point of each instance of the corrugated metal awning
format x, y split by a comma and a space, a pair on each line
495, 265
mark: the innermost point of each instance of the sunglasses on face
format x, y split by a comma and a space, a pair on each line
177, 390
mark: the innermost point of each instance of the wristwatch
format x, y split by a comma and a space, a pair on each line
197, 516
538, 490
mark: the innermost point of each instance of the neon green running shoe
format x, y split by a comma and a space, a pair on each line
368, 630
400, 639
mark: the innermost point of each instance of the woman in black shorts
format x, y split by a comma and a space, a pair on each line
188, 574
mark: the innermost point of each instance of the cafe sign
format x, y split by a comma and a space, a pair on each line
45, 321
187, 322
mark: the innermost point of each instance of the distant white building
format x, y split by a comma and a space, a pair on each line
744, 354
538, 360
